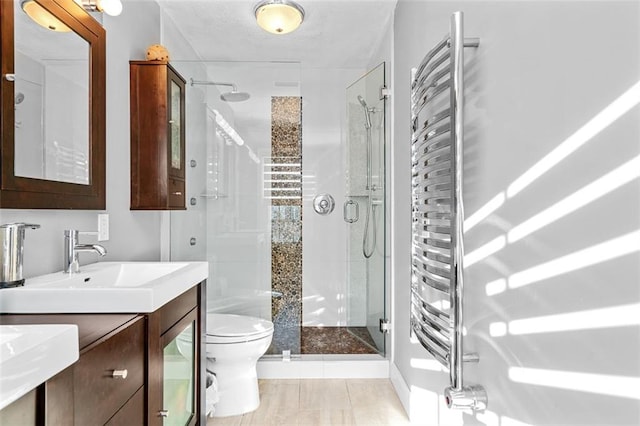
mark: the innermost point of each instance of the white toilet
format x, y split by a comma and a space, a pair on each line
234, 344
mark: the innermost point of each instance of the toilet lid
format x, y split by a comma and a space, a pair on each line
237, 327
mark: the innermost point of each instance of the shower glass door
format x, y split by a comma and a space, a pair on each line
244, 186
364, 208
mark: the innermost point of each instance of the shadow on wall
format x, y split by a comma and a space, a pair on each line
552, 185
556, 325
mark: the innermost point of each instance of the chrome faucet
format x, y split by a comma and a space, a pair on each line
72, 248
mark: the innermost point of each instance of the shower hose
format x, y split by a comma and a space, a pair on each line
371, 207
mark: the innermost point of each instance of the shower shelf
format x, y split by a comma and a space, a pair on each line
437, 134
214, 196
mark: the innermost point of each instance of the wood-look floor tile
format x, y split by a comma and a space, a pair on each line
280, 396
320, 402
329, 394
281, 418
380, 415
370, 392
325, 418
224, 421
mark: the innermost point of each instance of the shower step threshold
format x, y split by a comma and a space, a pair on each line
324, 367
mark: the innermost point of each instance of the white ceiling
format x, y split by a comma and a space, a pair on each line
334, 34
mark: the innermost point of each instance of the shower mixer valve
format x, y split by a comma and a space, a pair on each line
323, 204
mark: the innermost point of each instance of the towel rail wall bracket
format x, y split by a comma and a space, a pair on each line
437, 279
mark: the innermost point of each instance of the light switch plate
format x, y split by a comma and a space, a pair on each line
103, 227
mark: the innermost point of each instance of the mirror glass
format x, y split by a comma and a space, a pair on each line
51, 102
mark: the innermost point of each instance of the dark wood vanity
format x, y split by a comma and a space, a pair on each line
120, 376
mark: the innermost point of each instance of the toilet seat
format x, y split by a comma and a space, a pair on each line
228, 328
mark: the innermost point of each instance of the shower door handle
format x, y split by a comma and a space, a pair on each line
345, 211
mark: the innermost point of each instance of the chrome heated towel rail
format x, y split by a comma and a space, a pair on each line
437, 133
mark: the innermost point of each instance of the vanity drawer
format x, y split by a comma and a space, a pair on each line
98, 394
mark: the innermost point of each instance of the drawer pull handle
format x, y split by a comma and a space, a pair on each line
119, 374
163, 413
177, 193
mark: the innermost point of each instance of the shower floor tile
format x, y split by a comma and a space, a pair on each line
322, 340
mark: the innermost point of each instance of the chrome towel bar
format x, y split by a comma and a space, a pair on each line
437, 282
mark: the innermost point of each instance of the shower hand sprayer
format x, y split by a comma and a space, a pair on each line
371, 205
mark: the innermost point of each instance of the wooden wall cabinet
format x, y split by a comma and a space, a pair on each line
157, 136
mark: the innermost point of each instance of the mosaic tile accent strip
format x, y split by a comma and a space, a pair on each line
283, 177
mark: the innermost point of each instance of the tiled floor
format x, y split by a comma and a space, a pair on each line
322, 340
366, 402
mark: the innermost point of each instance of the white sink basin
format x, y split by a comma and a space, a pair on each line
32, 354
106, 287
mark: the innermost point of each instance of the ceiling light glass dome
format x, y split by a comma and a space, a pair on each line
279, 16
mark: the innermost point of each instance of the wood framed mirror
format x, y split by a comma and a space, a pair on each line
52, 94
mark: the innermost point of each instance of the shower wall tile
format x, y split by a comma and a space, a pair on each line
239, 247
324, 297
357, 293
329, 244
286, 215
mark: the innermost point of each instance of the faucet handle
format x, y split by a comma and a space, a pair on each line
76, 232
90, 233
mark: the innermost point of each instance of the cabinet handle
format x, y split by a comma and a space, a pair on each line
163, 413
119, 374
177, 193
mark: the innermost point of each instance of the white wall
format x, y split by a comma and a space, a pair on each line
324, 238
543, 72
133, 235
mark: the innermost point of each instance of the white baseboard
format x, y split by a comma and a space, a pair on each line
325, 367
402, 390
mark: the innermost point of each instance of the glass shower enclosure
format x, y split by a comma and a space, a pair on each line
364, 208
248, 195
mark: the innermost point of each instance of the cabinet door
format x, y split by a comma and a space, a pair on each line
109, 374
179, 381
176, 125
23, 411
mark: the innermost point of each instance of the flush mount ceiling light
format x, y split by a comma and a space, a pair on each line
43, 17
110, 7
279, 16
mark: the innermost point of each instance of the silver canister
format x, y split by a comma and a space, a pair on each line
11, 254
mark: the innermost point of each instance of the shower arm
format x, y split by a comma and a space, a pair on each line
193, 82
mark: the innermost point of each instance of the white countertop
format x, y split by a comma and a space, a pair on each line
31, 354
105, 287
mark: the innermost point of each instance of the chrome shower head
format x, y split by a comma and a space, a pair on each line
232, 96
367, 116
235, 96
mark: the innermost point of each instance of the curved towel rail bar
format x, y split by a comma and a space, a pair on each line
437, 87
